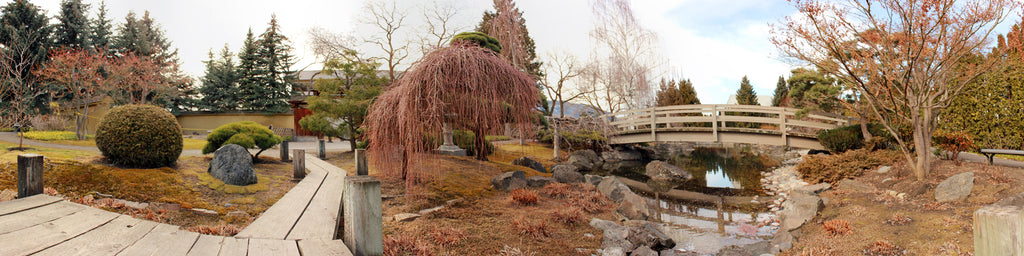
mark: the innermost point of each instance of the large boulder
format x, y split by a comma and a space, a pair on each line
633, 207
615, 235
532, 164
666, 151
643, 251
585, 159
622, 154
232, 164
539, 181
955, 188
663, 171
800, 208
612, 188
509, 181
646, 234
593, 179
567, 174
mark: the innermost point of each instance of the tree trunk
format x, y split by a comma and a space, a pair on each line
922, 142
864, 129
480, 140
556, 139
82, 122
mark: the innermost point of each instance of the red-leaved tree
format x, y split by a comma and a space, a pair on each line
79, 75
465, 85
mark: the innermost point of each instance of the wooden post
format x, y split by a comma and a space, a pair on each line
284, 151
782, 126
299, 164
364, 230
322, 150
654, 124
30, 175
361, 168
714, 125
999, 228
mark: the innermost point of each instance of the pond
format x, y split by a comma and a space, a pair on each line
706, 227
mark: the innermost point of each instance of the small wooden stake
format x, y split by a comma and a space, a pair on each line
361, 168
284, 151
299, 164
322, 150
30, 175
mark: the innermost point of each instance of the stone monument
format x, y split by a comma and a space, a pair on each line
449, 148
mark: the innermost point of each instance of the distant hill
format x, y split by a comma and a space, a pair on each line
573, 109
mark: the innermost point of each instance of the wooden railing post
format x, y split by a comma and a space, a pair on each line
999, 228
364, 230
322, 150
654, 124
299, 164
284, 151
714, 125
30, 175
782, 126
361, 168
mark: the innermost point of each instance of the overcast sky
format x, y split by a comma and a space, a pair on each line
712, 42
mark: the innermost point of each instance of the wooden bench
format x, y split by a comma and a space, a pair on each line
988, 152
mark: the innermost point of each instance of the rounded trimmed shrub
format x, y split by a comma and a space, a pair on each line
247, 134
139, 136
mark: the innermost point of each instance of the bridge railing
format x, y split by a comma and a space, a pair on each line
715, 118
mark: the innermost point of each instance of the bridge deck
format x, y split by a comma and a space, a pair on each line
301, 223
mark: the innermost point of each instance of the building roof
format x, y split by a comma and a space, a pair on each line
763, 100
309, 75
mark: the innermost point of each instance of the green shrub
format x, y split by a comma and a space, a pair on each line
11, 129
247, 134
578, 140
498, 138
139, 136
845, 138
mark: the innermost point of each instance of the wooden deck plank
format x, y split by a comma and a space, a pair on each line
278, 220
207, 245
234, 247
320, 220
38, 215
323, 247
163, 240
108, 239
39, 237
273, 247
13, 206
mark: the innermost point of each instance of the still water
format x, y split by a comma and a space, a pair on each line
707, 227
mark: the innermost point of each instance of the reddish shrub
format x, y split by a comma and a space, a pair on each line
558, 190
838, 227
568, 215
446, 236
537, 228
524, 197
218, 230
883, 248
898, 219
404, 244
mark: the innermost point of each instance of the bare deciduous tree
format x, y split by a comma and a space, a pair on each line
438, 25
561, 68
18, 88
327, 45
388, 18
908, 59
506, 26
622, 71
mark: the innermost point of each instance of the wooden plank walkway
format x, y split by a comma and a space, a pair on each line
303, 222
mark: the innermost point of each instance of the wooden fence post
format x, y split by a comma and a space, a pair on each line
299, 164
284, 151
999, 228
364, 230
361, 168
714, 125
322, 150
654, 124
30, 175
782, 126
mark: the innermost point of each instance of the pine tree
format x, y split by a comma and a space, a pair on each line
745, 95
274, 59
145, 38
100, 35
73, 30
781, 91
220, 85
531, 65
247, 74
688, 95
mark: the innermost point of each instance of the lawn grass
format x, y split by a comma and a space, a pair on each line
7, 155
68, 138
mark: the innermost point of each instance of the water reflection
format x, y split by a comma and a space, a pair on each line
715, 168
708, 229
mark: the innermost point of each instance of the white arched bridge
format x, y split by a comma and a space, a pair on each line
721, 123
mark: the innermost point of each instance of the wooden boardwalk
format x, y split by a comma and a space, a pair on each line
303, 222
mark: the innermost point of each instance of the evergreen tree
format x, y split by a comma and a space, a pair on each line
531, 64
220, 85
247, 74
25, 27
73, 29
812, 90
688, 95
781, 91
274, 59
676, 93
340, 109
145, 38
745, 95
100, 35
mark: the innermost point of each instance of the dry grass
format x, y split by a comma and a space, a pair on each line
222, 229
837, 227
569, 215
523, 196
915, 226
883, 248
